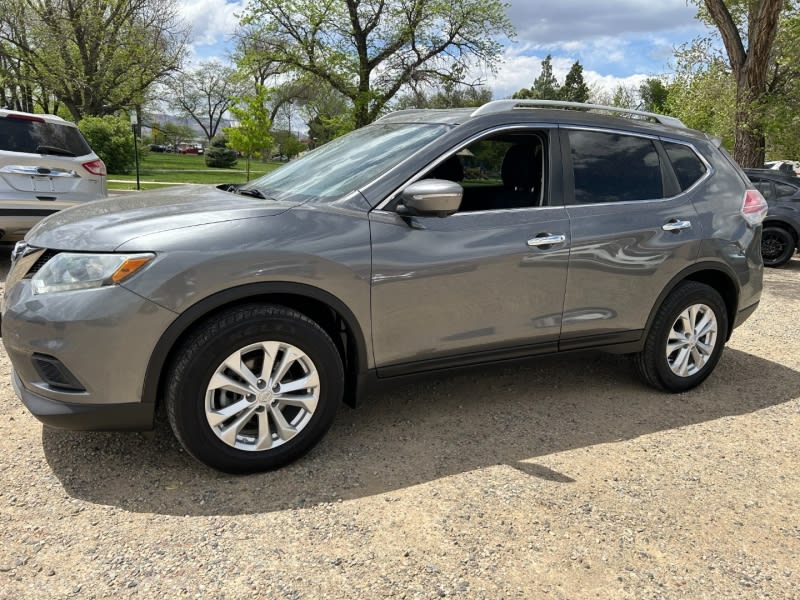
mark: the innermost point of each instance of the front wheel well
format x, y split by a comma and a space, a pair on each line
342, 330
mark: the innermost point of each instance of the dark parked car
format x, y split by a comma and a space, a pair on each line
779, 238
429, 239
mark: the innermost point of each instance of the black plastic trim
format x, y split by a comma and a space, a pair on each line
250, 291
86, 417
27, 212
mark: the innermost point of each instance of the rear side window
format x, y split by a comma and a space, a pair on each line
612, 167
688, 167
765, 187
39, 137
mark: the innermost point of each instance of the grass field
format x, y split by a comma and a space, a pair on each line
161, 170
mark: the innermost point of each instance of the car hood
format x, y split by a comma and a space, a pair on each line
106, 224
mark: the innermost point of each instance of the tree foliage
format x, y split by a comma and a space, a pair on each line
748, 29
251, 136
450, 95
219, 155
112, 140
205, 93
547, 87
369, 50
654, 93
94, 56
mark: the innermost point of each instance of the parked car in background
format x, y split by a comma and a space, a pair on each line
787, 167
429, 239
191, 149
779, 238
45, 165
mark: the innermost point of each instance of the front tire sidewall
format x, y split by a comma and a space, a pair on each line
190, 420
672, 308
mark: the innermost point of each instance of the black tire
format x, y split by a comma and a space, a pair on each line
205, 351
653, 362
777, 246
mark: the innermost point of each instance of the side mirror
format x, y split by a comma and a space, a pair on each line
430, 197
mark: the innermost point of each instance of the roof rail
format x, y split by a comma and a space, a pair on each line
498, 106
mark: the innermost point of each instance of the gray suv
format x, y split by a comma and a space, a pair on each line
430, 239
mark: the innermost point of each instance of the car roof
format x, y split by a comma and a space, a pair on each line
591, 115
47, 118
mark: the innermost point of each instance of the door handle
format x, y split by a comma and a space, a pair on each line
676, 225
547, 240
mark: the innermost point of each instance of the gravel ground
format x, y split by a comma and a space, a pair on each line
560, 478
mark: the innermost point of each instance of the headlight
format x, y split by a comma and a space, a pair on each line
69, 271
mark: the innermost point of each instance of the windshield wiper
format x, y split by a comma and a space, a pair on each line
53, 150
253, 193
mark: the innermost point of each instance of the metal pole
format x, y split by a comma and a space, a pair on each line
134, 123
136, 155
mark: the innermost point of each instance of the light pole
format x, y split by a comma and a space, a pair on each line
134, 122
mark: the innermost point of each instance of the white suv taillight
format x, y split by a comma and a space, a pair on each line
754, 207
95, 167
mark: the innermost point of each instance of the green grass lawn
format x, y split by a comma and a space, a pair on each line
169, 168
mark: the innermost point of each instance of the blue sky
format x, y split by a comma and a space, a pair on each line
620, 41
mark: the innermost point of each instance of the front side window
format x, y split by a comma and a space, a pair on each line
499, 172
613, 167
784, 190
347, 163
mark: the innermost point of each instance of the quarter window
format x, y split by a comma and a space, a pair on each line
611, 167
688, 167
784, 190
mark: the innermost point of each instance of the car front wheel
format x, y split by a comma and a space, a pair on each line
686, 338
254, 388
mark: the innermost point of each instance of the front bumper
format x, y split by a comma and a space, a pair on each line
136, 416
103, 338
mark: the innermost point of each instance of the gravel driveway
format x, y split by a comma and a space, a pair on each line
560, 478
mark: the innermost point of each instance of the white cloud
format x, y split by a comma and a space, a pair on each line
212, 21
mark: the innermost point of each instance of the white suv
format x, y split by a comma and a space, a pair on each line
45, 166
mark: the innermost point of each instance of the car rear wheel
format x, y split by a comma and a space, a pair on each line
777, 246
686, 338
254, 388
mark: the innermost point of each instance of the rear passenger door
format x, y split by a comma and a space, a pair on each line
633, 228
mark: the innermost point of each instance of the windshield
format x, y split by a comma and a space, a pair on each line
347, 163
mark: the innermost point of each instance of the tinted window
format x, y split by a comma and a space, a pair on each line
765, 187
610, 167
17, 135
499, 172
784, 190
688, 167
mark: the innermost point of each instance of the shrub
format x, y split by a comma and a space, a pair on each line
112, 140
217, 155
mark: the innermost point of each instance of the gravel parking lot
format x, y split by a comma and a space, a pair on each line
558, 478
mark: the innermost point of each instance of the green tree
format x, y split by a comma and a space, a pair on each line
287, 143
450, 95
112, 140
369, 50
205, 94
575, 88
654, 94
251, 136
219, 155
748, 29
545, 86
95, 56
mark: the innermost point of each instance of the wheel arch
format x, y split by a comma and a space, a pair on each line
328, 311
771, 221
716, 275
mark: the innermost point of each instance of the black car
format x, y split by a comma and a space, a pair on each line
781, 233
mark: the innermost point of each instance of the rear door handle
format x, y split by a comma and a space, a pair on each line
676, 225
547, 240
